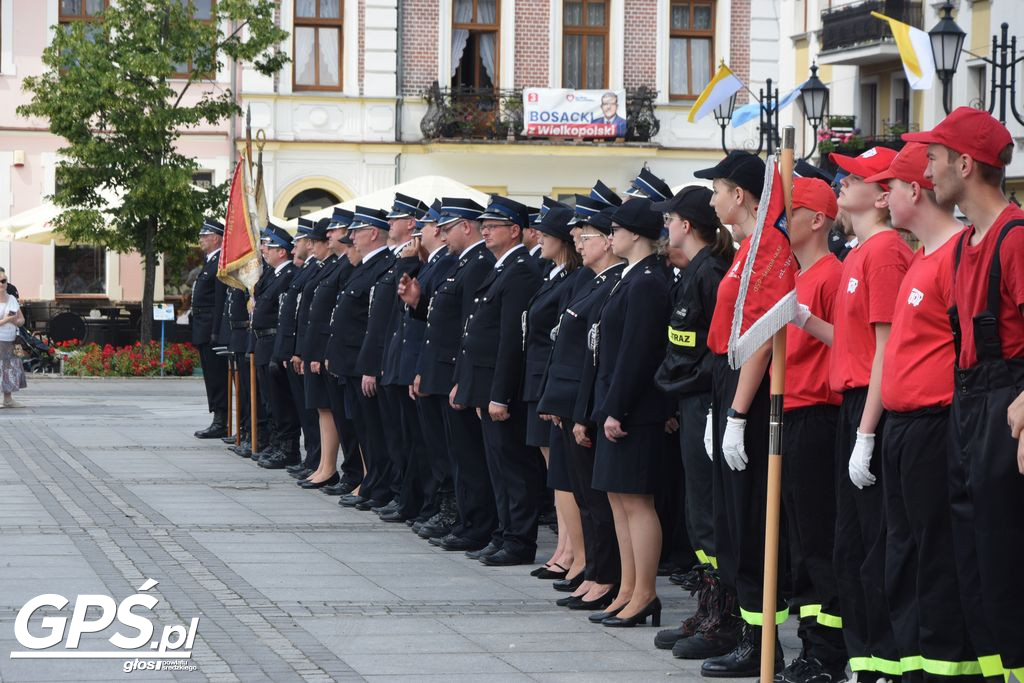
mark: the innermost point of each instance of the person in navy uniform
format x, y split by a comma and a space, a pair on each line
593, 576
648, 185
630, 410
446, 314
488, 377
208, 294
437, 510
557, 248
402, 431
316, 302
235, 334
285, 429
685, 375
352, 350
285, 341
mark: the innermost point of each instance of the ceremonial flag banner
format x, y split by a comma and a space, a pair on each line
549, 112
915, 51
767, 296
722, 86
240, 263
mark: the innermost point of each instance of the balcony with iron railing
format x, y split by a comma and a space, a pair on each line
852, 26
486, 114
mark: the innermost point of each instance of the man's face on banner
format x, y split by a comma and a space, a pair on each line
609, 106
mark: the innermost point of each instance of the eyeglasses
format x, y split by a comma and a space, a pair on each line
587, 237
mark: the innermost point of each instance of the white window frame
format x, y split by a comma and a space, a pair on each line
349, 52
723, 28
506, 44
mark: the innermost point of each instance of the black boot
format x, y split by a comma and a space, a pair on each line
705, 589
242, 449
283, 458
266, 444
229, 439
744, 661
720, 630
218, 429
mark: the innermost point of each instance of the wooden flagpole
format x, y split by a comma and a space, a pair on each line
774, 498
238, 404
231, 376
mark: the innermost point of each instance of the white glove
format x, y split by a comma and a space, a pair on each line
860, 460
732, 445
800, 318
709, 444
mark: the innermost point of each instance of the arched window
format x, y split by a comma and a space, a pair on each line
309, 200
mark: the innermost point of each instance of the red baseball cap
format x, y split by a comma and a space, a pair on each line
816, 195
909, 166
969, 131
867, 163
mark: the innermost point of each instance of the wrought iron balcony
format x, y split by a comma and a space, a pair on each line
486, 114
848, 26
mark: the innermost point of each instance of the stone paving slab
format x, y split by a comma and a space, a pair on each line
102, 486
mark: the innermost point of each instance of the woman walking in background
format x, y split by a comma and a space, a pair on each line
12, 373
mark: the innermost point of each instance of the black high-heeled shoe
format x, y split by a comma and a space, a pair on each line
568, 585
600, 603
307, 484
601, 616
551, 574
653, 610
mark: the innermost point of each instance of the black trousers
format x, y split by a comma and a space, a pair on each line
698, 472
282, 403
351, 461
376, 483
518, 478
739, 499
599, 541
987, 496
412, 467
808, 501
921, 586
437, 452
241, 363
859, 556
474, 497
309, 419
215, 378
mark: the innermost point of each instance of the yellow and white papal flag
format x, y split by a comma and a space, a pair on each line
915, 51
722, 86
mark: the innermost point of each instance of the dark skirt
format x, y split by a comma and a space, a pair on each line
538, 432
558, 464
629, 465
316, 388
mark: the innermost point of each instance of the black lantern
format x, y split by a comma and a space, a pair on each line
947, 40
723, 115
814, 97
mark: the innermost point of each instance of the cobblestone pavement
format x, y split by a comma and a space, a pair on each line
102, 486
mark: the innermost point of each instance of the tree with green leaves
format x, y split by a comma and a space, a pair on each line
121, 91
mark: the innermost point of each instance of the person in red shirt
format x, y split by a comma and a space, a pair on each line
917, 388
872, 273
967, 155
811, 413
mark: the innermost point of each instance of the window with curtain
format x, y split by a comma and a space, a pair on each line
475, 44
691, 47
86, 11
203, 11
585, 44
318, 39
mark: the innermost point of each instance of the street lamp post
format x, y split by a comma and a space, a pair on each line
723, 115
814, 96
947, 42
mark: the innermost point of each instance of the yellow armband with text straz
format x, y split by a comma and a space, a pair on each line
682, 337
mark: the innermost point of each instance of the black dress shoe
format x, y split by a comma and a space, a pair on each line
368, 504
568, 585
307, 484
598, 604
439, 541
479, 553
296, 467
568, 601
340, 489
505, 558
394, 516
601, 616
301, 474
652, 610
451, 542
429, 531
229, 439
350, 500
744, 660
387, 507
278, 461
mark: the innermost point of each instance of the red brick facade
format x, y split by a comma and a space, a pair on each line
419, 45
640, 63
739, 43
533, 19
